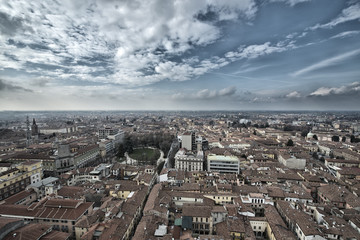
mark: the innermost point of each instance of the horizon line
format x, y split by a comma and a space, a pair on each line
184, 110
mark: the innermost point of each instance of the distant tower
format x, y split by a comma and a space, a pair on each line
28, 135
34, 128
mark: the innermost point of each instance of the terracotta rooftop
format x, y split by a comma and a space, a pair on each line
191, 210
277, 225
56, 235
29, 232
19, 196
71, 191
62, 203
4, 221
55, 209
334, 193
150, 204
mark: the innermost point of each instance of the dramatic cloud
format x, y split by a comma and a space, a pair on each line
352, 89
290, 2
5, 86
10, 25
150, 54
348, 14
125, 43
346, 34
254, 51
207, 94
227, 91
327, 62
294, 94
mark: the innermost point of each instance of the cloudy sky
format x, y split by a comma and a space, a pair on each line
180, 55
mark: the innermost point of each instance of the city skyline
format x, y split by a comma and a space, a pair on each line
180, 55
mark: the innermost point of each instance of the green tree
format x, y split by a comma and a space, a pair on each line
304, 132
335, 138
353, 139
290, 143
288, 128
121, 150
128, 144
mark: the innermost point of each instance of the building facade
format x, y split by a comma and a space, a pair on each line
16, 179
222, 164
189, 161
188, 141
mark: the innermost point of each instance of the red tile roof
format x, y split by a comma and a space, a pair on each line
52, 209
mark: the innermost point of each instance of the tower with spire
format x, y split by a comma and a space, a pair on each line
34, 128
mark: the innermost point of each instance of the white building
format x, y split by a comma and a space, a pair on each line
65, 129
188, 141
108, 145
45, 186
256, 199
117, 138
188, 161
107, 131
100, 172
222, 164
292, 161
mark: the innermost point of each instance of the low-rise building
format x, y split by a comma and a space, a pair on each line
188, 161
61, 214
292, 161
199, 218
16, 179
45, 187
222, 163
87, 155
333, 195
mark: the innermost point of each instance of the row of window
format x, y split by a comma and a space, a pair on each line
200, 226
201, 219
257, 200
6, 189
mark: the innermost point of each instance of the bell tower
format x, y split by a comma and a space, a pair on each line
34, 128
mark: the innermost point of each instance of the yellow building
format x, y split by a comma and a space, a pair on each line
199, 217
123, 188
16, 179
221, 198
